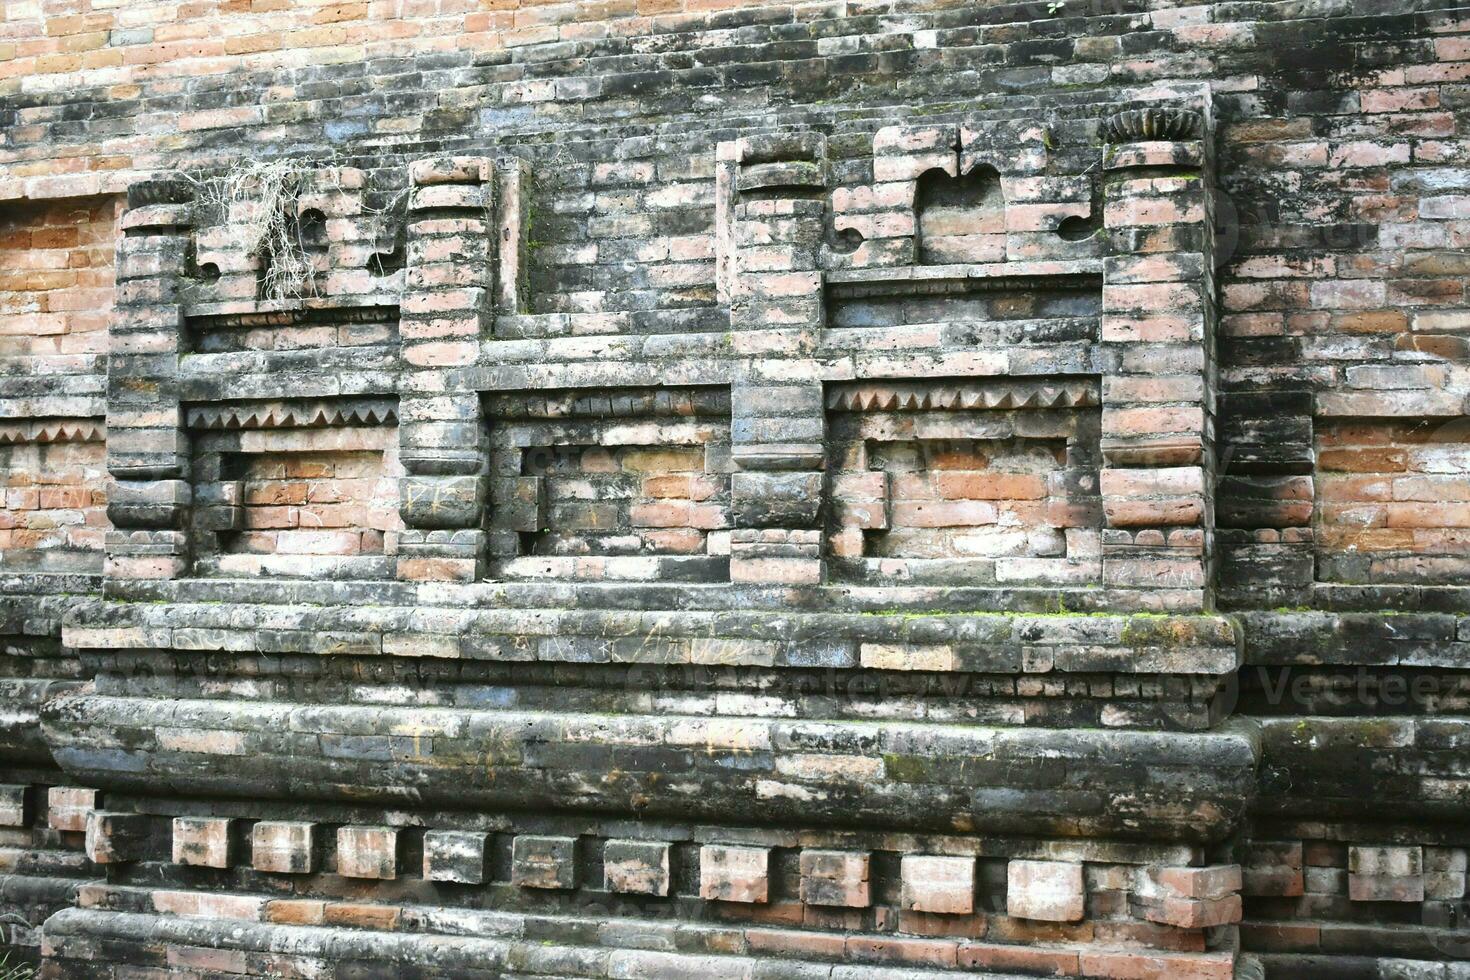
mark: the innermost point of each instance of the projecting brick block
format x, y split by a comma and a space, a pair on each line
728, 873
14, 811
837, 878
202, 841
283, 847
367, 852
1190, 898
942, 885
114, 838
544, 862
1049, 891
636, 867
1216, 881
1386, 874
455, 855
67, 807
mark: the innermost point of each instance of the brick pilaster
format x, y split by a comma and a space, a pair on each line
778, 425
448, 295
147, 444
1156, 335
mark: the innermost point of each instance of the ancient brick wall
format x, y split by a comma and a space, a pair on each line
682, 488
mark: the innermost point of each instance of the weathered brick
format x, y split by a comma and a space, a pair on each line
636, 867
367, 852
283, 846
203, 841
455, 855
943, 885
731, 873
837, 878
544, 862
1050, 891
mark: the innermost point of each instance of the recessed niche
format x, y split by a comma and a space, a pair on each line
299, 329
299, 502
623, 484
965, 483
960, 219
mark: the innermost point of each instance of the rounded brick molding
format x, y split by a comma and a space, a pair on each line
1134, 125
160, 190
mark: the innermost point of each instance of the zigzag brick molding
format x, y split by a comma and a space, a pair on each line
855, 489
